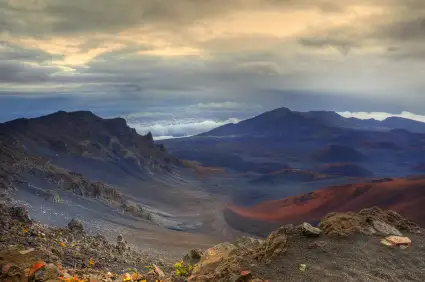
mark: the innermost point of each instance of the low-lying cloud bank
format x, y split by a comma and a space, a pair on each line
382, 115
178, 128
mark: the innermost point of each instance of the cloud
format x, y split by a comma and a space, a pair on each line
137, 53
218, 106
160, 115
158, 138
45, 17
179, 128
259, 67
24, 73
343, 45
382, 115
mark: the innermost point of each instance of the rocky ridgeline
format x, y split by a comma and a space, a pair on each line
67, 253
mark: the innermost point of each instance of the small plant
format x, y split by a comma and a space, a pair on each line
91, 262
183, 269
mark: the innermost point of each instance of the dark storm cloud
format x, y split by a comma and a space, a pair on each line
401, 29
406, 36
41, 17
405, 29
15, 72
24, 66
10, 52
46, 17
342, 45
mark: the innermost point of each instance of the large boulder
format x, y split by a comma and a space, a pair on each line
308, 230
214, 256
193, 256
40, 271
344, 224
368, 222
385, 228
274, 245
20, 214
248, 243
75, 226
121, 244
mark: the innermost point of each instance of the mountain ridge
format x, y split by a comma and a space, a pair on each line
333, 119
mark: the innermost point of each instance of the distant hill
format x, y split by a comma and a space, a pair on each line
404, 195
280, 121
345, 170
339, 154
420, 167
290, 175
335, 120
404, 123
383, 145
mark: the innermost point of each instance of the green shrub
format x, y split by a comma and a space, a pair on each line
183, 269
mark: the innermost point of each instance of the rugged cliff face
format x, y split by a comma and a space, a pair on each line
82, 134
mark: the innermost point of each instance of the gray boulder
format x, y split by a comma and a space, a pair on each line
385, 228
75, 226
310, 231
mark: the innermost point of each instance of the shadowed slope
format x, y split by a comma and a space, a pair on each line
346, 169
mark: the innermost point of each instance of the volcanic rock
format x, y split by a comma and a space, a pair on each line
274, 245
75, 226
385, 228
193, 256
20, 214
308, 230
213, 256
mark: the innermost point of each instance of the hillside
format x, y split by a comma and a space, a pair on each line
404, 195
289, 175
282, 139
338, 153
280, 122
346, 170
78, 165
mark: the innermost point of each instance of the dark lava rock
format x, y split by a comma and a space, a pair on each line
121, 244
193, 257
20, 214
75, 226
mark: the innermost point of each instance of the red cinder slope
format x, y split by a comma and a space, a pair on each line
406, 196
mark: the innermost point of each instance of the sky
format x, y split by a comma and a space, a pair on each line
181, 67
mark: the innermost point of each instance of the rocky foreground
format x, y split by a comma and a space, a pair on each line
371, 245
